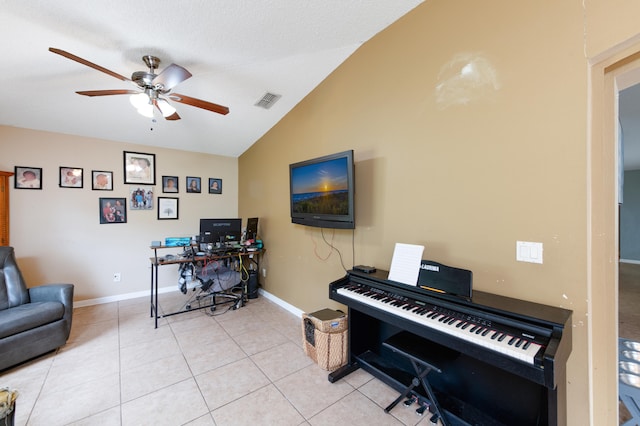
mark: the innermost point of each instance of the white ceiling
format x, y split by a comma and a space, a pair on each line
237, 50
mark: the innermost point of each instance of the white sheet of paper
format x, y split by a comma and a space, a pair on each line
405, 264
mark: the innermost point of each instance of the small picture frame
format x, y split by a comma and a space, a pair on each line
193, 184
101, 180
140, 198
28, 177
215, 186
170, 184
139, 168
113, 210
167, 208
71, 177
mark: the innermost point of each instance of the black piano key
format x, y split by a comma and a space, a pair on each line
512, 340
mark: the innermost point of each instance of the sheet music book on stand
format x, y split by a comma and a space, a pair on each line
405, 264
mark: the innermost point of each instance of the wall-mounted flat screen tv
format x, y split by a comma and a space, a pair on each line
322, 191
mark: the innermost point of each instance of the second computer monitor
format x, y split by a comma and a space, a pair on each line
220, 230
252, 228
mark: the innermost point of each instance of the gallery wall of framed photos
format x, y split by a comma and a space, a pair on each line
66, 224
138, 171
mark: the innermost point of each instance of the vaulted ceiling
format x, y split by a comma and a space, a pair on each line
236, 50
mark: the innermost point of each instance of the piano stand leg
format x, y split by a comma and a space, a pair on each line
437, 412
343, 371
422, 367
421, 379
415, 382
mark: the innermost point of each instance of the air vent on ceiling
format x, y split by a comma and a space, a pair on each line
268, 100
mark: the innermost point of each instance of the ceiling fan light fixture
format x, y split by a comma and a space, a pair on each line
142, 102
146, 110
139, 100
165, 107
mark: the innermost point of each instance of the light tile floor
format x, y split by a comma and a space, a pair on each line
237, 367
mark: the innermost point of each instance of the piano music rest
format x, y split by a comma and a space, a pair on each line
423, 363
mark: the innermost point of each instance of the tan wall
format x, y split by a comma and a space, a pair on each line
610, 23
464, 166
56, 231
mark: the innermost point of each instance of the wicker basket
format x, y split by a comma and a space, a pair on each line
324, 336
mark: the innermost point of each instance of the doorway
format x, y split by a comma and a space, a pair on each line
613, 72
629, 217
629, 229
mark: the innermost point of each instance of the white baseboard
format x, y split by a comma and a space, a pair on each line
135, 295
119, 297
636, 262
297, 312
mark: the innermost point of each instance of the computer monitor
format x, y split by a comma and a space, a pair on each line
220, 230
252, 228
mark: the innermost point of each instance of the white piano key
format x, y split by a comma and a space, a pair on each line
451, 328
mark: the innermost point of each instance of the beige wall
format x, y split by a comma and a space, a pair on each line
466, 166
56, 231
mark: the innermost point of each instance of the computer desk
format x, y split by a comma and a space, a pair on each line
157, 261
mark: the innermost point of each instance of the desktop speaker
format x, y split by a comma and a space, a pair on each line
252, 285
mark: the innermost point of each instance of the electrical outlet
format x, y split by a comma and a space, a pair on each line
264, 272
116, 277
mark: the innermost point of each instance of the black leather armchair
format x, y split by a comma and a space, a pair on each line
33, 321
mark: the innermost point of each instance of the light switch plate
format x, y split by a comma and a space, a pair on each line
529, 252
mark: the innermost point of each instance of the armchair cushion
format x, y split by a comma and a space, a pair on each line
28, 316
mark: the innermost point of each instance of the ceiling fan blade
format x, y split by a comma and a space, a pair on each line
198, 103
170, 77
87, 63
107, 92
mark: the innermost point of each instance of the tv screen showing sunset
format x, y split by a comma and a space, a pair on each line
321, 188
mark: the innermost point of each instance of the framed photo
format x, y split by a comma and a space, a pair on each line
113, 210
28, 177
193, 184
70, 177
139, 168
101, 180
169, 183
215, 186
140, 198
167, 208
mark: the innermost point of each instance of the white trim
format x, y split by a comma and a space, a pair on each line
127, 296
636, 262
297, 312
119, 297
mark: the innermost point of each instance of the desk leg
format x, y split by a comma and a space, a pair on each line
156, 294
151, 293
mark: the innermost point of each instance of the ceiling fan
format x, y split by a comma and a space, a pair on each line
153, 90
